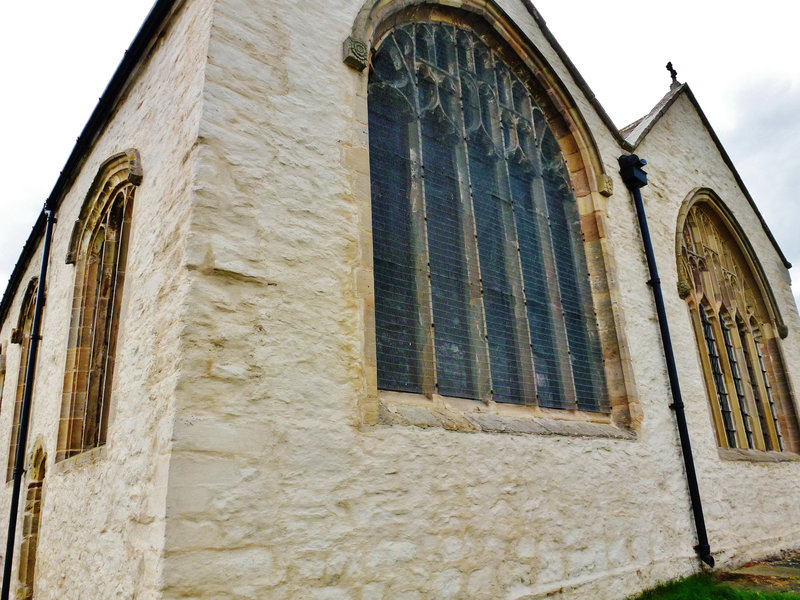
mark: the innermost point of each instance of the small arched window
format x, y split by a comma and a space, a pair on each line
736, 326
98, 248
22, 336
481, 282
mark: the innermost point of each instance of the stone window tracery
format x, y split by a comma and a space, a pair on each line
481, 282
98, 248
737, 332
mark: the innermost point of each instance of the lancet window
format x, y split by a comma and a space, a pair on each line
481, 282
22, 336
737, 334
99, 250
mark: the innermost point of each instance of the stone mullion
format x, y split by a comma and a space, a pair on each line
711, 384
752, 402
727, 374
554, 290
764, 386
522, 333
741, 391
98, 340
756, 381
479, 342
120, 242
83, 350
73, 379
422, 266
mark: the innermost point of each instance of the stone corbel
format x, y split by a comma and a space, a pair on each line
355, 53
605, 185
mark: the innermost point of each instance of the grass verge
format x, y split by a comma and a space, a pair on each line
702, 587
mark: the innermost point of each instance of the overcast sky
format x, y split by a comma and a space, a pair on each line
56, 58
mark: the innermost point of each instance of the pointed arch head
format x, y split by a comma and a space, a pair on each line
36, 461
377, 17
25, 310
116, 173
726, 274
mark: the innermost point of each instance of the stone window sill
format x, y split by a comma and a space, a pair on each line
472, 416
73, 463
749, 455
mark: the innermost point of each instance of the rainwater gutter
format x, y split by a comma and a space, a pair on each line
25, 409
635, 178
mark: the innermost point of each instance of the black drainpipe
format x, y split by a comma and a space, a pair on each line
27, 393
634, 177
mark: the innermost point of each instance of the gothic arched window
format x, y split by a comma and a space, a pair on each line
737, 333
481, 282
98, 248
22, 336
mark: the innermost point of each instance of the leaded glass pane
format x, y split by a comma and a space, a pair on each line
737, 384
396, 306
719, 379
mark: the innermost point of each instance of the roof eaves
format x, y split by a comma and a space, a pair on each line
576, 76
139, 48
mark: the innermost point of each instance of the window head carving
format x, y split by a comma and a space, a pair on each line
98, 248
482, 289
734, 317
119, 173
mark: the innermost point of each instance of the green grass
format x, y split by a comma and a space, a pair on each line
702, 587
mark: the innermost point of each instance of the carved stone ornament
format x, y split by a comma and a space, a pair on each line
355, 53
605, 184
783, 331
16, 336
684, 289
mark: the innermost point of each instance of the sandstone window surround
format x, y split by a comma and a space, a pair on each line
21, 335
31, 523
738, 328
98, 248
485, 231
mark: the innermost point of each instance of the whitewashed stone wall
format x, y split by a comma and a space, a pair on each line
278, 491
238, 465
751, 508
102, 524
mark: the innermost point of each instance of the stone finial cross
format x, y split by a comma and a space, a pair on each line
674, 75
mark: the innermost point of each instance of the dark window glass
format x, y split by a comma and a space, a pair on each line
719, 379
476, 228
737, 384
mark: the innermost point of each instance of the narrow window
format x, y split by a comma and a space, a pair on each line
762, 419
31, 526
768, 388
99, 250
719, 379
737, 385
22, 336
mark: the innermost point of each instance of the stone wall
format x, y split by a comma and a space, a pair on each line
750, 507
277, 487
102, 519
241, 462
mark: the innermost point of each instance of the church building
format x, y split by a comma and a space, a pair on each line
351, 301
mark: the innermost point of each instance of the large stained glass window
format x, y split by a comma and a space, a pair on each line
481, 284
